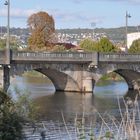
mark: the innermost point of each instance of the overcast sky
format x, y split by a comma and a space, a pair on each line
74, 13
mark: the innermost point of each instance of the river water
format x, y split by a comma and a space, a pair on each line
60, 112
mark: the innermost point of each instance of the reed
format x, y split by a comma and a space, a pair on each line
108, 128
111, 128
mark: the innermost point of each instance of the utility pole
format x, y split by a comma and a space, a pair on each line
126, 17
93, 24
7, 3
6, 70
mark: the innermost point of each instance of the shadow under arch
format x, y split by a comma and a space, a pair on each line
60, 80
131, 77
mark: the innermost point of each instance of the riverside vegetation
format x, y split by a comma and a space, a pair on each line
109, 78
10, 120
14, 115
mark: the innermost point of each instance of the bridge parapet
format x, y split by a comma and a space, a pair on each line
55, 56
119, 57
69, 57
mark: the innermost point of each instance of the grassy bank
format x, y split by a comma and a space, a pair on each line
109, 79
33, 74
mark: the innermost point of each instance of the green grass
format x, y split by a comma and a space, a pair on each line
109, 79
33, 74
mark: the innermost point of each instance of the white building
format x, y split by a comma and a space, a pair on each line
131, 37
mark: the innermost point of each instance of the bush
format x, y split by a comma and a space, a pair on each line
15, 114
10, 121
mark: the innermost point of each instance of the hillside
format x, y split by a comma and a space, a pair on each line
115, 34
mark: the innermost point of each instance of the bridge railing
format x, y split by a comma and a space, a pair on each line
118, 57
54, 56
36, 57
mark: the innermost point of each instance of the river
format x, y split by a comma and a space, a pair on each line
59, 110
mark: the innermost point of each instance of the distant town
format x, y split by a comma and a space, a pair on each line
74, 36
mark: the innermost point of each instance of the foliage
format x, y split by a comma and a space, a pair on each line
88, 45
10, 121
62, 48
59, 48
13, 115
24, 105
109, 78
135, 47
112, 76
42, 29
104, 45
2, 43
33, 73
14, 43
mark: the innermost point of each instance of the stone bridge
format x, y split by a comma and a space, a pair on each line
72, 71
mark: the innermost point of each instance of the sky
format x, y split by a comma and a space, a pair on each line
73, 13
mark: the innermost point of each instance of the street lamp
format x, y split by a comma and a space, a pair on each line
127, 16
7, 3
93, 24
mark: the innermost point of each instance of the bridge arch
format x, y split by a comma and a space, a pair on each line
65, 77
131, 77
60, 80
129, 74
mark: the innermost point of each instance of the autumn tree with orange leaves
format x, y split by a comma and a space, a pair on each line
42, 30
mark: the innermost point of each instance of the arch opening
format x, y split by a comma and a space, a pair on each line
61, 80
32, 82
111, 83
131, 77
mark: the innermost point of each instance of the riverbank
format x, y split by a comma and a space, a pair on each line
108, 79
33, 74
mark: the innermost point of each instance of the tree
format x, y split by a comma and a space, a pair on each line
135, 47
14, 43
104, 45
88, 45
42, 30
59, 48
2, 44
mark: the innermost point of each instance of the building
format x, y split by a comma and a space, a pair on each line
131, 37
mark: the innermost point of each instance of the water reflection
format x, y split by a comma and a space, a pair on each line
69, 103
52, 105
114, 89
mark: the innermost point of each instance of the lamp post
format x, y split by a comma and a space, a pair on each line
93, 24
7, 3
126, 18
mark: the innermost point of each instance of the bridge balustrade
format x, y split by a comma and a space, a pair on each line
25, 56
53, 56
118, 57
